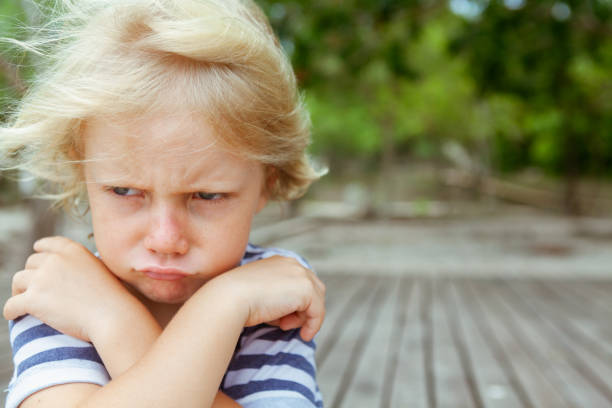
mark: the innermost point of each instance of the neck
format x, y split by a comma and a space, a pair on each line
162, 312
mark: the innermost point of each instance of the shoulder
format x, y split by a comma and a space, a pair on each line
255, 252
44, 357
273, 368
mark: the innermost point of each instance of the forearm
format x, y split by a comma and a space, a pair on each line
185, 364
123, 342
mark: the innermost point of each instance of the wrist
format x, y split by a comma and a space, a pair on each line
123, 334
229, 296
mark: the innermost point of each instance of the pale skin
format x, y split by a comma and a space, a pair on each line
171, 220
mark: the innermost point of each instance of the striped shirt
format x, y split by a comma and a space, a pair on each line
270, 368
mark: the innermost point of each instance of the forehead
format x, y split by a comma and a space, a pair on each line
147, 147
177, 130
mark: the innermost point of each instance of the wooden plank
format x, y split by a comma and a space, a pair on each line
598, 303
367, 328
6, 372
595, 312
3, 327
597, 288
339, 361
461, 345
581, 322
6, 361
426, 306
335, 291
503, 383
425, 343
5, 292
342, 299
351, 296
536, 373
366, 388
336, 287
404, 374
494, 378
559, 294
451, 385
6, 354
577, 387
585, 354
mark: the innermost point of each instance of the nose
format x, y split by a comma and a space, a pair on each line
166, 236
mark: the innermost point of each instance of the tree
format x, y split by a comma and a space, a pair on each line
556, 58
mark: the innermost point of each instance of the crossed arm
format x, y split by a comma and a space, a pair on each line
63, 283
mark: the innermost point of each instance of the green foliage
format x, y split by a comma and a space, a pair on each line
558, 66
533, 85
10, 14
545, 127
11, 18
342, 127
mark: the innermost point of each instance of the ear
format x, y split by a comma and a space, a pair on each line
72, 154
270, 178
76, 149
263, 200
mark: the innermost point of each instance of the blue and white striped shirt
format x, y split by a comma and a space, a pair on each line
270, 368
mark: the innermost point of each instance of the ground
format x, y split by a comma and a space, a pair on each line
407, 278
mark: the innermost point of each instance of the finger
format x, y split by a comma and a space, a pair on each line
310, 328
292, 321
20, 282
320, 285
15, 307
35, 260
56, 244
315, 315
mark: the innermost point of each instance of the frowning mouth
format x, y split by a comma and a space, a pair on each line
167, 274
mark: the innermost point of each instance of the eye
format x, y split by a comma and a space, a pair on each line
124, 191
208, 196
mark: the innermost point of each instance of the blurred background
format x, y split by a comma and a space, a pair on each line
421, 109
413, 98
463, 138
426, 100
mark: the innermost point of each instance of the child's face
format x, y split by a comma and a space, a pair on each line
170, 208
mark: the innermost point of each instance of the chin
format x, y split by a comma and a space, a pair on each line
168, 294
169, 298
168, 301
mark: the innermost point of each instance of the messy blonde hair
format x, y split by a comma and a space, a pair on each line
218, 58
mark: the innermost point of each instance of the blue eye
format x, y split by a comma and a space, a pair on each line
124, 191
208, 196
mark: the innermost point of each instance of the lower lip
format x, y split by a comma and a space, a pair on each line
164, 276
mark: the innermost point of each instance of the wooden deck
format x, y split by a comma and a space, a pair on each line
425, 343
411, 340
436, 343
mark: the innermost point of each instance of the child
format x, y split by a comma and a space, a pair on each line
177, 120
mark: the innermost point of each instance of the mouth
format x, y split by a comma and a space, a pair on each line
165, 274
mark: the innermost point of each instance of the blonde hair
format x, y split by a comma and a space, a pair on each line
218, 58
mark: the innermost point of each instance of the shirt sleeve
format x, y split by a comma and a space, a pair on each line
43, 357
255, 253
272, 368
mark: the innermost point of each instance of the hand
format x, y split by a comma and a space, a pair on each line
278, 291
67, 287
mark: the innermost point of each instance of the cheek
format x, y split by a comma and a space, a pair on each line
112, 230
228, 232
237, 220
115, 245
109, 243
